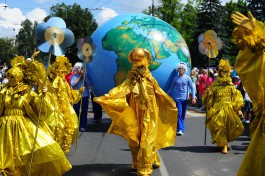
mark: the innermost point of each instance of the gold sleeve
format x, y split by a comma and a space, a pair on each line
41, 103
238, 101
2, 105
254, 40
208, 98
76, 96
250, 63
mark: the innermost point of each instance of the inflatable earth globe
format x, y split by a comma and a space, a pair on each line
117, 37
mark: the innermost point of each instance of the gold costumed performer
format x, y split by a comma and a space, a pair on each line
224, 104
142, 113
35, 75
64, 96
19, 112
249, 36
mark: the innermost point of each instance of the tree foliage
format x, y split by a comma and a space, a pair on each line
257, 8
208, 19
79, 21
197, 17
26, 40
169, 11
8, 50
188, 18
182, 17
229, 50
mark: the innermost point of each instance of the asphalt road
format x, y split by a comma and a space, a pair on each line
98, 153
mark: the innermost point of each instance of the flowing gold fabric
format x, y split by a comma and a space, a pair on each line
63, 121
144, 115
250, 66
19, 109
224, 102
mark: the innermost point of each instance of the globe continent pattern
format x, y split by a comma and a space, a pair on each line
117, 37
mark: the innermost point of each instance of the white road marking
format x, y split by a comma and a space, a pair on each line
162, 168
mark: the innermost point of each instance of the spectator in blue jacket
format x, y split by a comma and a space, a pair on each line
76, 83
179, 91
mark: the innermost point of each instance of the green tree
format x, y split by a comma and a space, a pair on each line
8, 50
79, 21
229, 50
188, 18
26, 40
168, 11
257, 8
208, 19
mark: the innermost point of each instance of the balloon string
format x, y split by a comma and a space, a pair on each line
38, 121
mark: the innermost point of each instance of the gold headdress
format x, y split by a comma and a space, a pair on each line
35, 73
138, 55
18, 61
17, 72
60, 66
224, 65
18, 66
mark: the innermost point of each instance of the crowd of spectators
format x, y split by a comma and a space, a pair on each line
3, 79
201, 81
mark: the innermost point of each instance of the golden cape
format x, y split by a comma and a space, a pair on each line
250, 66
160, 119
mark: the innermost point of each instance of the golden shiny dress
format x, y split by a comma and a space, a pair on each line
19, 107
36, 73
224, 103
64, 115
142, 113
249, 37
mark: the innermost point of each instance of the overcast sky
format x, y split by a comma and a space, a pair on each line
13, 12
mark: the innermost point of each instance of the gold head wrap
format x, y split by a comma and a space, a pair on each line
18, 61
35, 72
224, 65
60, 66
17, 72
138, 54
18, 65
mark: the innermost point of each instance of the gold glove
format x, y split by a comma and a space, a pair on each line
34, 54
82, 89
248, 23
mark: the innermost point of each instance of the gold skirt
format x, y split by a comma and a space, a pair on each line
16, 143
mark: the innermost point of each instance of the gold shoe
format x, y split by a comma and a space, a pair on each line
224, 151
156, 165
134, 165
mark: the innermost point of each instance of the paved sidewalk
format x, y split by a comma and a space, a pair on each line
195, 109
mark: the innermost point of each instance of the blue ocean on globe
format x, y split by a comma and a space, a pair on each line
117, 37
